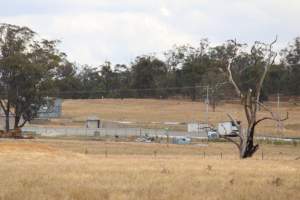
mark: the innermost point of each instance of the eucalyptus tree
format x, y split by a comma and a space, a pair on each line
291, 59
246, 71
27, 68
148, 75
192, 64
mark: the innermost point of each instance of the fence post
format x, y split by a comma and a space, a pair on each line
106, 153
221, 155
168, 140
262, 154
204, 155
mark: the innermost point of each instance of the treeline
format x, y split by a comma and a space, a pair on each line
183, 72
32, 68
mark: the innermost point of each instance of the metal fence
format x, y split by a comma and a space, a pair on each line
120, 132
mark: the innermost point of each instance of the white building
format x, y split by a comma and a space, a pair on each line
93, 122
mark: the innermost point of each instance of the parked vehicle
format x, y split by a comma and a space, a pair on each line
212, 134
228, 129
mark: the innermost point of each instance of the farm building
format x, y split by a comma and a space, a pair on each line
52, 109
93, 122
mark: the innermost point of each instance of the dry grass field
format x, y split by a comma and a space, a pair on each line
146, 111
69, 169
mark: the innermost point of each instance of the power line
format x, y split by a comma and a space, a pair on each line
125, 90
103, 92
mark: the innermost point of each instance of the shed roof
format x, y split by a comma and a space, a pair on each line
92, 118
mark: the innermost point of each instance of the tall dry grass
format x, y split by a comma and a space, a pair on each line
54, 169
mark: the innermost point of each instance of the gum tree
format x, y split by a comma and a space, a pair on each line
247, 72
27, 68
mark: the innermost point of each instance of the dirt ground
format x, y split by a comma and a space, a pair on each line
70, 169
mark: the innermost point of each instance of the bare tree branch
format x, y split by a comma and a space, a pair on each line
270, 62
2, 106
237, 89
23, 123
228, 138
239, 134
231, 140
232, 119
271, 118
267, 109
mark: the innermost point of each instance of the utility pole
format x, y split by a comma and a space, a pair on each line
207, 104
278, 102
279, 123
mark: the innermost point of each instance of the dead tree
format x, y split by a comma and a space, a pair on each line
250, 99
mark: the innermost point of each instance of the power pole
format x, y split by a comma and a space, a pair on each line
279, 123
207, 104
278, 102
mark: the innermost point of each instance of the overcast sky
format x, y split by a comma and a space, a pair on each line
93, 31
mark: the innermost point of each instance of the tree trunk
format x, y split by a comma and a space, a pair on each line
7, 128
248, 148
7, 112
213, 104
193, 93
17, 120
214, 107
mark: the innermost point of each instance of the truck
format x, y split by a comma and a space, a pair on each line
228, 129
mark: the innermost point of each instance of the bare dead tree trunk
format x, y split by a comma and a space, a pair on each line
250, 107
251, 101
247, 146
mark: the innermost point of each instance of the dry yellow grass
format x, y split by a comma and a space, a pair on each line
56, 169
144, 111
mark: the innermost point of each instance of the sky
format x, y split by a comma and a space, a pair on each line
95, 31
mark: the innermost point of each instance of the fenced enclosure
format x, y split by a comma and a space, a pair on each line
162, 115
112, 132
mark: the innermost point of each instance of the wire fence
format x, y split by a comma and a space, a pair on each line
112, 132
